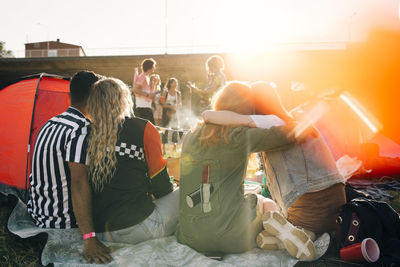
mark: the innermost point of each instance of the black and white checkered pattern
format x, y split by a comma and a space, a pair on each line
132, 151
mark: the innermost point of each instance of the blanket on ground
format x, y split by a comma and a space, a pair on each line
64, 248
378, 188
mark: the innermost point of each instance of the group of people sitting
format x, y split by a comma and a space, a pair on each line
99, 167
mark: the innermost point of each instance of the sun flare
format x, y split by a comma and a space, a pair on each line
265, 25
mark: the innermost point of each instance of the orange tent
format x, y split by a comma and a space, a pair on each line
25, 105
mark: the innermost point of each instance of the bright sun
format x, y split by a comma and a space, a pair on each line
259, 25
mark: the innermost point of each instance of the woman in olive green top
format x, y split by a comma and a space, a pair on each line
214, 213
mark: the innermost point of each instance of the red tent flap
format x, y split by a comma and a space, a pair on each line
16, 107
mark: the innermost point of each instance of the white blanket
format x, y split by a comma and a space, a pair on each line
64, 248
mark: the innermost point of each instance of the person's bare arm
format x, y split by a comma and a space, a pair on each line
214, 86
138, 90
303, 134
225, 117
93, 249
196, 90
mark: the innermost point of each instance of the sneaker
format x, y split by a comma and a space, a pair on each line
268, 242
296, 241
310, 234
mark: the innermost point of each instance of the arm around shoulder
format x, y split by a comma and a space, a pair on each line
225, 117
274, 138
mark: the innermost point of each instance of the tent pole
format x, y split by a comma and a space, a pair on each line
30, 137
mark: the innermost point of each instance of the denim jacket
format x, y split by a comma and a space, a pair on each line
299, 169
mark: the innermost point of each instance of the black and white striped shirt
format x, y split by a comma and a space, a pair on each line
61, 140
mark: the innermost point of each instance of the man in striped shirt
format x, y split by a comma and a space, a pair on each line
60, 195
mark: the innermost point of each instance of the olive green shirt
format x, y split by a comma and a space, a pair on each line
232, 223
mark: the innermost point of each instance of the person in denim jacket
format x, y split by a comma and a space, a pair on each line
302, 178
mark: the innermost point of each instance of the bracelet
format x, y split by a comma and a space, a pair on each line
89, 235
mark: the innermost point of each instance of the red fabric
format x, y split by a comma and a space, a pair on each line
16, 104
152, 150
387, 147
16, 107
53, 99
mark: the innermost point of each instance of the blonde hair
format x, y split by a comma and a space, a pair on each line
235, 96
108, 104
156, 76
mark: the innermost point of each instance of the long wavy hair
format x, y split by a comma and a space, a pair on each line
237, 97
108, 104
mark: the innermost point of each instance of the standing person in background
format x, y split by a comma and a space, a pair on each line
143, 94
215, 80
170, 101
157, 107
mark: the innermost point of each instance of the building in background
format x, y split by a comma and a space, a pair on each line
53, 49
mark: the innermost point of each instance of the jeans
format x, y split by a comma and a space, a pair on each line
161, 222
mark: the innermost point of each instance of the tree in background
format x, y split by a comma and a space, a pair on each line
4, 52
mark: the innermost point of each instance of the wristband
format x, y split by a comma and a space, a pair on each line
89, 235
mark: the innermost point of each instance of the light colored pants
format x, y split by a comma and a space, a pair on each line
161, 222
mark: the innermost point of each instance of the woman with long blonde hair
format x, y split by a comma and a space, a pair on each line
126, 170
108, 106
215, 215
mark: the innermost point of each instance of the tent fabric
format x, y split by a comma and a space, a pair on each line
24, 107
346, 134
387, 147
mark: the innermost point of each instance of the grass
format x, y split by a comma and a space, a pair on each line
15, 251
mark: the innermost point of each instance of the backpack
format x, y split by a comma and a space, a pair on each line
362, 218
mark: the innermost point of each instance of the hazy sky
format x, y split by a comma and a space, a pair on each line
186, 26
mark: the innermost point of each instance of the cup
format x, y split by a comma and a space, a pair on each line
366, 250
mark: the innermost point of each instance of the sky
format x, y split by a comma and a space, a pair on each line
124, 27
